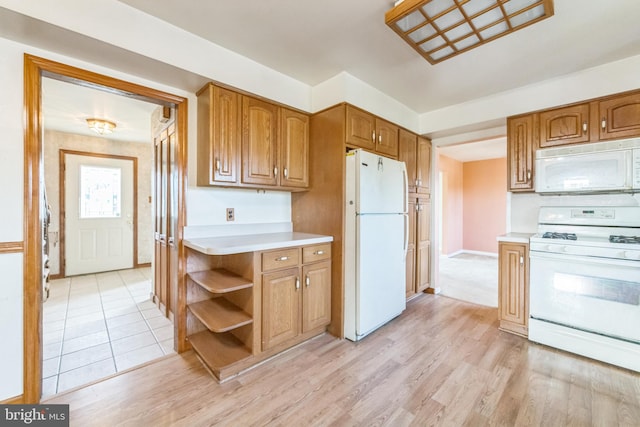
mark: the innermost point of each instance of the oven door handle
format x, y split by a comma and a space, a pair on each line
555, 256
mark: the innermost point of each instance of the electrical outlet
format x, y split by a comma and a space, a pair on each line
230, 214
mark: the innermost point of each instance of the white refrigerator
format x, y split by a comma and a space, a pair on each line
376, 238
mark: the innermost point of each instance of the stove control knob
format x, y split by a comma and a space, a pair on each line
634, 255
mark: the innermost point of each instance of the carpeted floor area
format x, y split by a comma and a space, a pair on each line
470, 277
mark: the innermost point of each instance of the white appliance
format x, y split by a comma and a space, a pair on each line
585, 282
376, 238
612, 166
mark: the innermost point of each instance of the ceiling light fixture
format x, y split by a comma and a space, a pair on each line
101, 126
442, 29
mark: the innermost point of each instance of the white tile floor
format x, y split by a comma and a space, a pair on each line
100, 324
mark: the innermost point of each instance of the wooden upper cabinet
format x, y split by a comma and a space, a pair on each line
386, 138
259, 142
520, 152
415, 152
361, 129
367, 131
423, 166
294, 149
218, 136
407, 153
620, 117
567, 125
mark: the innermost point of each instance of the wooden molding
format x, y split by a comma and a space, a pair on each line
16, 400
11, 247
34, 69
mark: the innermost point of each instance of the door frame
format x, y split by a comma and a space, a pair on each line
34, 69
63, 194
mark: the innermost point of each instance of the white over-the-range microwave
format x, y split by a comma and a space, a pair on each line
601, 167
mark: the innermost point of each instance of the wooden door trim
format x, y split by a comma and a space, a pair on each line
34, 69
62, 202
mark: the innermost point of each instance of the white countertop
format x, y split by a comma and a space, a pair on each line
515, 237
227, 245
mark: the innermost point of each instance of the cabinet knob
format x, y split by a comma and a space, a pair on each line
373, 136
584, 126
275, 171
521, 260
218, 165
285, 172
379, 138
528, 175
318, 253
282, 258
603, 123
307, 281
297, 283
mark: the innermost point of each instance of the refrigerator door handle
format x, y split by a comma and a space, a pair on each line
405, 184
406, 234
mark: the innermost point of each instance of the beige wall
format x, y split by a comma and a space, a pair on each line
55, 141
485, 204
452, 204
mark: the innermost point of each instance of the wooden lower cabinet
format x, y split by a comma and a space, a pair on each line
243, 308
513, 287
296, 301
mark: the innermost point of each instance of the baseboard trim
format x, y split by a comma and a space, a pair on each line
16, 400
464, 251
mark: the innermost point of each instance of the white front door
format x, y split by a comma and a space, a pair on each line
98, 214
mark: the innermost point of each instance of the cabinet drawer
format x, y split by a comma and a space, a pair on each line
316, 253
274, 260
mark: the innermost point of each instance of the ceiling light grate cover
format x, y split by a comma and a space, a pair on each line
442, 29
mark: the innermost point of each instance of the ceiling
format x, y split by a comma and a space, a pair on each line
313, 42
66, 106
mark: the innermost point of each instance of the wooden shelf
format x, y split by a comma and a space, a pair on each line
219, 352
220, 315
220, 281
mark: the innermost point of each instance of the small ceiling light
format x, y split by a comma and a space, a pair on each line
101, 126
442, 29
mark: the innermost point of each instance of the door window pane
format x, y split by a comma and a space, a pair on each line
100, 192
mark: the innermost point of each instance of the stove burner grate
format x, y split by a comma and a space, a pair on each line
563, 236
624, 239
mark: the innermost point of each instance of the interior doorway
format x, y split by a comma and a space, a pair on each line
35, 70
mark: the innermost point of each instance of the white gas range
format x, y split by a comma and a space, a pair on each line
585, 282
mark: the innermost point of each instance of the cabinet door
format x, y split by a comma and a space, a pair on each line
294, 149
316, 297
218, 136
520, 151
513, 300
568, 125
259, 142
386, 138
281, 295
411, 249
620, 117
424, 166
361, 129
423, 244
407, 146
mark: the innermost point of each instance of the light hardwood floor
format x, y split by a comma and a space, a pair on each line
442, 362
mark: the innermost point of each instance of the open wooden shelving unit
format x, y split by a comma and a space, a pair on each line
220, 323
